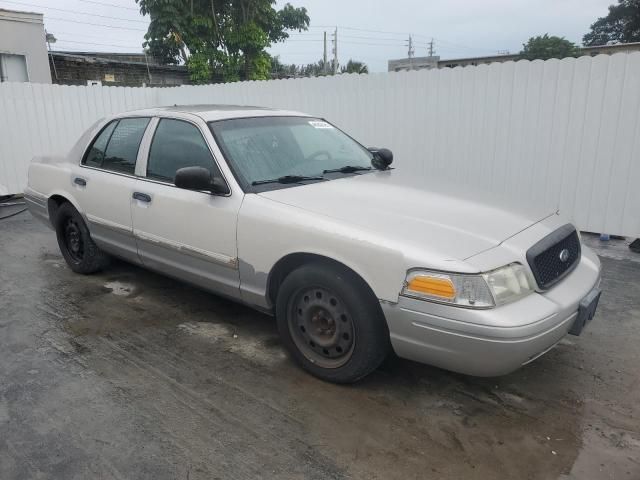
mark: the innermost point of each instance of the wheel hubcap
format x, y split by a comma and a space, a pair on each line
321, 327
73, 239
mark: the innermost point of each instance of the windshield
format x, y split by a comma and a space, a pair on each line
266, 148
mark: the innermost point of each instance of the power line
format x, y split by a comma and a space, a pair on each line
374, 38
426, 38
357, 29
65, 10
109, 5
365, 37
98, 44
375, 44
460, 46
372, 44
377, 41
96, 24
79, 35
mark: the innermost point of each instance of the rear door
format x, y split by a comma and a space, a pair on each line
105, 181
187, 234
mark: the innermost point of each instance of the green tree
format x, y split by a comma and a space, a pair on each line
354, 66
545, 47
621, 25
219, 40
281, 70
316, 69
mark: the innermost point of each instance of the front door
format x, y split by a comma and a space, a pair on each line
186, 234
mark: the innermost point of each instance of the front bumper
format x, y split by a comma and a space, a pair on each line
495, 341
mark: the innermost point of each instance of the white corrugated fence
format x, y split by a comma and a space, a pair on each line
561, 132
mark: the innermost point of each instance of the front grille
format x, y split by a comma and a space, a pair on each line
546, 258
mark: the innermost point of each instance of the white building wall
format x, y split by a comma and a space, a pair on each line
564, 133
22, 33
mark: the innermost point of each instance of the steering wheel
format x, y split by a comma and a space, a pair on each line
318, 153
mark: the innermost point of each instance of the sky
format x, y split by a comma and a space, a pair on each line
372, 31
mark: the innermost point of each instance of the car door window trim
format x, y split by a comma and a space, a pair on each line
122, 174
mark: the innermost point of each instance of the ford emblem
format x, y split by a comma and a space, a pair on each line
564, 255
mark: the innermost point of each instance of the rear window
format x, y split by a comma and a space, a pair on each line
116, 146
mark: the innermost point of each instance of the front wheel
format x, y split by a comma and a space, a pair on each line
331, 323
75, 242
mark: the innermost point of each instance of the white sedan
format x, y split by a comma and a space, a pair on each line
286, 213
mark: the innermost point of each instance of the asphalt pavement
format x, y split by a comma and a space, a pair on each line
127, 374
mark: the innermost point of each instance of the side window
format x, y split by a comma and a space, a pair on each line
122, 147
95, 155
177, 144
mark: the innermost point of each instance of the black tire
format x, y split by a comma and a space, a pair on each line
331, 323
75, 242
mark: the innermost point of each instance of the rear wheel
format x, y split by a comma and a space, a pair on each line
331, 323
75, 242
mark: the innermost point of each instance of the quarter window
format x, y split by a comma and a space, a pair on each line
95, 155
177, 144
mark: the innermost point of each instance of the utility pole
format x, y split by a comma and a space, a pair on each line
49, 38
411, 53
324, 57
335, 52
431, 50
146, 59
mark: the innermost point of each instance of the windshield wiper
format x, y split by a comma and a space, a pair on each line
286, 179
347, 169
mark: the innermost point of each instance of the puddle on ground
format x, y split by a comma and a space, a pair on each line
54, 262
122, 289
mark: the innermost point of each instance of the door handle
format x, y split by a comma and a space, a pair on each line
80, 181
143, 197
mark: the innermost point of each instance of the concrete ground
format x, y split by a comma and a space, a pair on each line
130, 375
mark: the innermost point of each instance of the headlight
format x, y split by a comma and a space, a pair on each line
484, 290
508, 283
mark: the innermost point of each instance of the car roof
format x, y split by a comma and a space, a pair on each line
211, 113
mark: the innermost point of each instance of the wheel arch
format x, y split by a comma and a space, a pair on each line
54, 202
287, 264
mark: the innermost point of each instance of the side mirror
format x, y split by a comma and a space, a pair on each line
199, 178
382, 158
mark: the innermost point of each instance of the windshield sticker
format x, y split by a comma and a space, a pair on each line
319, 124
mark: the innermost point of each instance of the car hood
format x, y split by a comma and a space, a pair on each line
450, 220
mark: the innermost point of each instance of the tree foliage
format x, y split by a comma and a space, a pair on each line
545, 47
282, 70
621, 25
354, 66
219, 40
